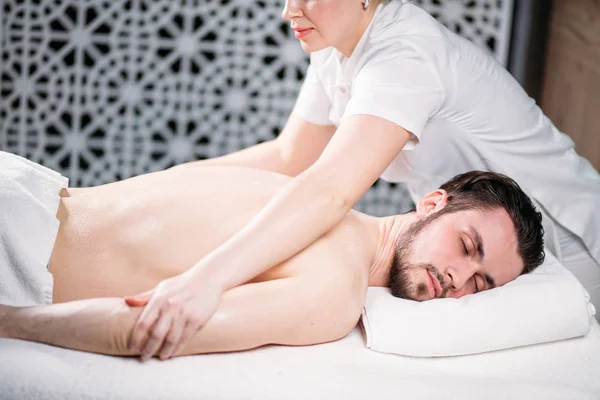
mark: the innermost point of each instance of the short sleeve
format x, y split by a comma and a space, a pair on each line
312, 104
404, 89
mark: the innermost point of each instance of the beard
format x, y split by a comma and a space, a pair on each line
400, 280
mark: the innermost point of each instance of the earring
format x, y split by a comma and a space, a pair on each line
366, 4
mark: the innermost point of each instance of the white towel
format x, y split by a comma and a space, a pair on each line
544, 306
29, 198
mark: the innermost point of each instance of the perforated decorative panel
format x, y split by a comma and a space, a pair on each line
102, 90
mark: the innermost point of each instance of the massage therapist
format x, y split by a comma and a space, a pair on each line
389, 93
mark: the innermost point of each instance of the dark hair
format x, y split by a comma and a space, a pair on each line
487, 190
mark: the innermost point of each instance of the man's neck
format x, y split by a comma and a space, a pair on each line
389, 230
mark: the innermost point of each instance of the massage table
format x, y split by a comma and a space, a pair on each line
346, 369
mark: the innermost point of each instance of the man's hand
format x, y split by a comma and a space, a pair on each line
174, 311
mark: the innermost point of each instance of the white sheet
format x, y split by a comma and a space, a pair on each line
345, 369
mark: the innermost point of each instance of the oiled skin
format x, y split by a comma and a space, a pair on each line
124, 238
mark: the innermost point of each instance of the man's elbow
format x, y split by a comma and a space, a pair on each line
339, 330
322, 329
317, 335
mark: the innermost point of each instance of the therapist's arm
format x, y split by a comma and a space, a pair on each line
306, 208
297, 147
312, 203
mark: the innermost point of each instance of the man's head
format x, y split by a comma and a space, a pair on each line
478, 231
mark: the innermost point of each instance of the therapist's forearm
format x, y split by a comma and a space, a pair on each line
266, 156
300, 213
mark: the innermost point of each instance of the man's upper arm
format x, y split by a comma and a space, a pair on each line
289, 311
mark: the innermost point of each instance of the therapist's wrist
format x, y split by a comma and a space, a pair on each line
205, 274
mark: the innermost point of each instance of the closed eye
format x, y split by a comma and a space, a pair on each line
476, 285
465, 247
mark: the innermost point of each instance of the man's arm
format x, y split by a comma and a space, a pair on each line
289, 311
297, 147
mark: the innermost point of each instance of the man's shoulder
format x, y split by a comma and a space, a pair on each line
343, 253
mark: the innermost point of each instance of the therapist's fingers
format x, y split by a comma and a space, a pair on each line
172, 338
189, 331
157, 336
144, 323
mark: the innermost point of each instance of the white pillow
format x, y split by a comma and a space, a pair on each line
546, 305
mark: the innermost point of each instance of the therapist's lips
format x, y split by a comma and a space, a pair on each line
300, 33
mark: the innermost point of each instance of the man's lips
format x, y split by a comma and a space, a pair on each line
437, 287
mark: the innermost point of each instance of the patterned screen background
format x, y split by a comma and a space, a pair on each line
105, 90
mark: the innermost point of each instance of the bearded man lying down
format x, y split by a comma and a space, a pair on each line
476, 232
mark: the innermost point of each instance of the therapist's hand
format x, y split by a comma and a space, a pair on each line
173, 312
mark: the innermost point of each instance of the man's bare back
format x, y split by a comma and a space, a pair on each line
123, 238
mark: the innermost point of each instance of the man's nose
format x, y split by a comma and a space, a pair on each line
459, 274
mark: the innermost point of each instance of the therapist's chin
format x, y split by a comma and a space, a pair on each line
312, 46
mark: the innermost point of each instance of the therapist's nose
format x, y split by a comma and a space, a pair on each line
292, 9
458, 277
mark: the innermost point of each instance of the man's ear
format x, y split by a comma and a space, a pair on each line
432, 202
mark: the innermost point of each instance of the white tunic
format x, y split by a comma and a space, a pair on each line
465, 112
